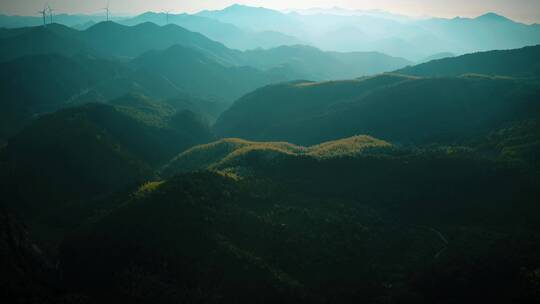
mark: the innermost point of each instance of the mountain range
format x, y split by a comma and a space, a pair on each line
244, 27
413, 39
109, 60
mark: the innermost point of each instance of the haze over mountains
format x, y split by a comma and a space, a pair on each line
109, 60
243, 27
253, 156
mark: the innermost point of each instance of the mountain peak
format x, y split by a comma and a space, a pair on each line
492, 17
103, 25
237, 6
247, 8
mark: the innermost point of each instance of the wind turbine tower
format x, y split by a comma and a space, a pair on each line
107, 10
44, 14
51, 11
167, 16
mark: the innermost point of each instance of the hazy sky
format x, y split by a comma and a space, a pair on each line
522, 10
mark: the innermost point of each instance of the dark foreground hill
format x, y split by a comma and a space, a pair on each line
304, 228
353, 220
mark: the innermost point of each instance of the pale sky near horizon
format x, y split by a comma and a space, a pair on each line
522, 10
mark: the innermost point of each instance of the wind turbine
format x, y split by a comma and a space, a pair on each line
167, 16
107, 10
44, 14
50, 13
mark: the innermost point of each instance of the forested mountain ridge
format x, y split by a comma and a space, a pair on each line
514, 63
396, 108
227, 152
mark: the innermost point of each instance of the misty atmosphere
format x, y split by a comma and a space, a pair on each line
270, 151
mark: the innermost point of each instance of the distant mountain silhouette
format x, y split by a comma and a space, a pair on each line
196, 72
314, 64
15, 21
437, 57
244, 27
486, 32
226, 33
108, 39
493, 17
54, 38
400, 37
254, 18
131, 41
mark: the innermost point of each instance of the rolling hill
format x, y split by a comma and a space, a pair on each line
226, 153
396, 108
269, 229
